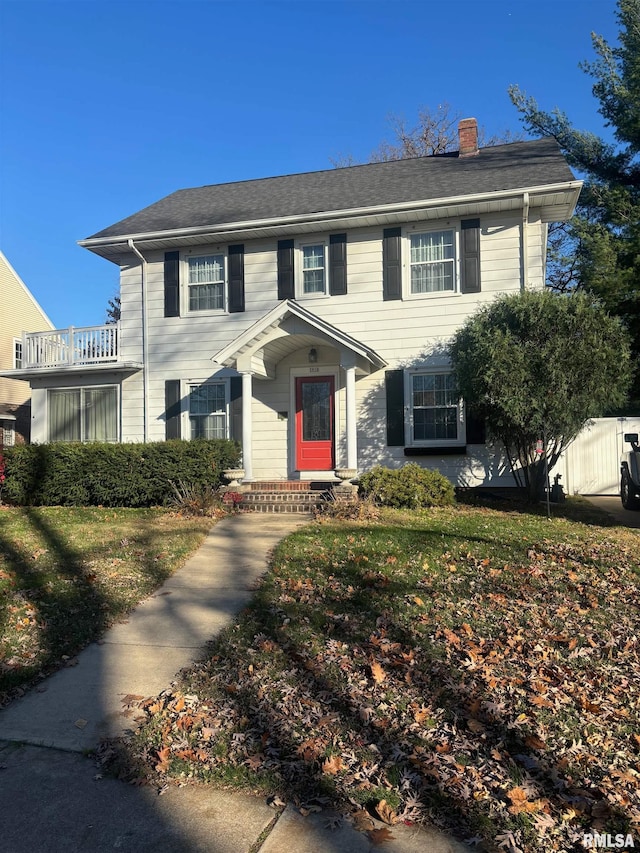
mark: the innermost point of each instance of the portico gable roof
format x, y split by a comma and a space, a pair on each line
285, 329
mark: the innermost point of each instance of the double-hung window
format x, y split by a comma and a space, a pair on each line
436, 409
314, 268
432, 261
17, 353
83, 414
206, 282
208, 410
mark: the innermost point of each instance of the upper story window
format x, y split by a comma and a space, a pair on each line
206, 282
435, 408
314, 268
17, 353
432, 262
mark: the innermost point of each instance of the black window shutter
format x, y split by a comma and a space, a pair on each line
394, 387
285, 270
172, 408
235, 408
470, 256
476, 429
391, 264
172, 284
236, 278
337, 264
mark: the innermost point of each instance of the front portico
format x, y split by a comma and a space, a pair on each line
311, 368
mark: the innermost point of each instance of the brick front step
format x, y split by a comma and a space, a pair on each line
284, 496
287, 486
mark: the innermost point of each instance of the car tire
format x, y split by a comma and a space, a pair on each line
627, 493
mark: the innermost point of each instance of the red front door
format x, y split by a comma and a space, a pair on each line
314, 423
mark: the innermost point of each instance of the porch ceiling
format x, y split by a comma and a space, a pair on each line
285, 329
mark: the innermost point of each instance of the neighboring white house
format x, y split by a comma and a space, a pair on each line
18, 311
308, 315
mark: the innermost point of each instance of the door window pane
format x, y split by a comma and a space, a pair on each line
316, 411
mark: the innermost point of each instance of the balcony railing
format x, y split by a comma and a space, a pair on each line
60, 347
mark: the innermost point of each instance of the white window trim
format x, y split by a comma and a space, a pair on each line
184, 281
185, 414
420, 228
8, 433
461, 439
323, 241
17, 341
82, 388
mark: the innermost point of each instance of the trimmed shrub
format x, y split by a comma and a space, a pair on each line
409, 487
135, 475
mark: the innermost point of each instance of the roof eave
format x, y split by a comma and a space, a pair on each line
105, 246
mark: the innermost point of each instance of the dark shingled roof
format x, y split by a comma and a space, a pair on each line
501, 167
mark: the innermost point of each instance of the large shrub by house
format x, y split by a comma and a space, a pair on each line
135, 475
410, 487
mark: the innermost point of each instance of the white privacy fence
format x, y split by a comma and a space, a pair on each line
591, 464
88, 345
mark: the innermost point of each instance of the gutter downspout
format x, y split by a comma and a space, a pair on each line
145, 335
525, 241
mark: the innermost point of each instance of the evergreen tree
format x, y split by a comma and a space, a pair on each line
600, 250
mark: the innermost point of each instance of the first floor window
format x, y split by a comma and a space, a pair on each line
83, 414
432, 262
313, 269
206, 283
435, 405
7, 435
208, 411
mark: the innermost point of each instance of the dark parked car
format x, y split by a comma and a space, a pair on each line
630, 473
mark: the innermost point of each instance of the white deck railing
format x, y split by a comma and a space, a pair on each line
88, 345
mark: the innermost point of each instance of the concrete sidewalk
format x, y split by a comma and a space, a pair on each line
53, 799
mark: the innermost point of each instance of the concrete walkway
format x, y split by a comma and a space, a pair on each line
52, 798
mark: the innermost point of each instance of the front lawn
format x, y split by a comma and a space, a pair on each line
67, 573
473, 667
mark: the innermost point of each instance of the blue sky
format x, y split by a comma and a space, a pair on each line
107, 106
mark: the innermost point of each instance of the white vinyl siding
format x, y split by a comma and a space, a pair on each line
83, 414
208, 410
206, 282
432, 262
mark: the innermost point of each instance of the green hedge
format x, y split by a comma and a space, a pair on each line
409, 487
135, 475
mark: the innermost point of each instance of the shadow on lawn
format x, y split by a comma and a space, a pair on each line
74, 810
329, 703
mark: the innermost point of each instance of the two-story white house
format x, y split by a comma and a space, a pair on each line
308, 315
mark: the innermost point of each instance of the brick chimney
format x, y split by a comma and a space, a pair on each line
468, 136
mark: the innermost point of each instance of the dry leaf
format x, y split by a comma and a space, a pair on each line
378, 673
332, 765
380, 836
386, 813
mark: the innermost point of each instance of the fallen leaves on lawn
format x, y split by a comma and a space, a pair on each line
508, 702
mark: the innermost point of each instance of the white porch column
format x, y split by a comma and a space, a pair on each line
247, 426
352, 435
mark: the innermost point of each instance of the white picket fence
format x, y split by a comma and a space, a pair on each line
591, 464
